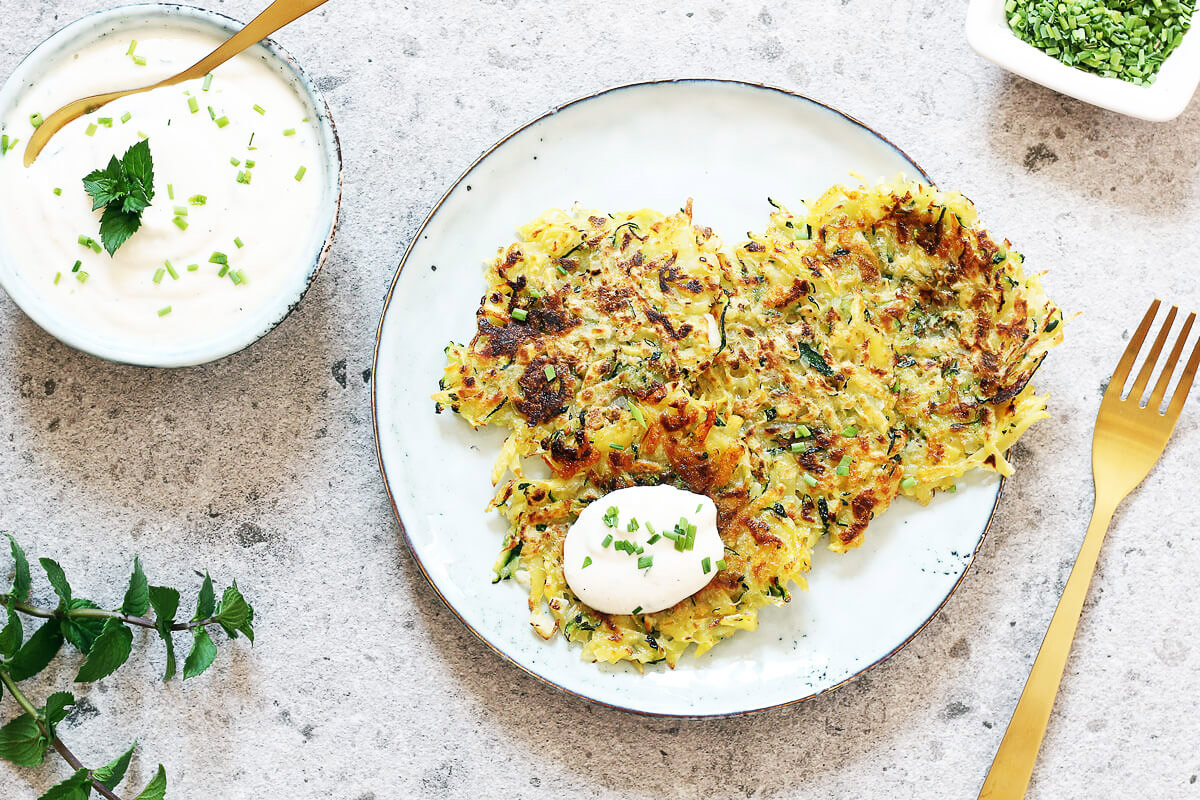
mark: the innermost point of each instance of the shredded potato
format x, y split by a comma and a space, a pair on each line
881, 344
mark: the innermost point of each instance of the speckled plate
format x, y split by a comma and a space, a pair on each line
730, 146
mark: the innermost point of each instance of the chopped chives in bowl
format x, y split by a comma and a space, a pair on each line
1113, 38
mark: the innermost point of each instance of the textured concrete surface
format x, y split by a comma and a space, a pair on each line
363, 686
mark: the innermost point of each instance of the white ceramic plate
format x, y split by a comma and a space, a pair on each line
1165, 99
166, 352
728, 145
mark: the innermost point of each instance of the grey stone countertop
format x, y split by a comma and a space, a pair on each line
362, 685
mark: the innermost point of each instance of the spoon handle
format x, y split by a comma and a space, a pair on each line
273, 17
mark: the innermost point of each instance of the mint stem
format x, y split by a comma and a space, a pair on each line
99, 613
59, 746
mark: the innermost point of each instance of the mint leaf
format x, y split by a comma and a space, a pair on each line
22, 582
206, 603
165, 602
57, 580
76, 787
111, 773
235, 614
124, 189
157, 788
116, 226
22, 742
138, 166
36, 653
55, 710
137, 596
11, 635
110, 651
202, 654
82, 631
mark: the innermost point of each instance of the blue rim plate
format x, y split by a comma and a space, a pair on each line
728, 145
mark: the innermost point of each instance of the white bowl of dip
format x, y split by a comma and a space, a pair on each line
247, 166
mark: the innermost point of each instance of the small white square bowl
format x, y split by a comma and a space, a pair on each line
1166, 98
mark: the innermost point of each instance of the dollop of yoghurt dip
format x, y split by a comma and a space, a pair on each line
642, 549
228, 223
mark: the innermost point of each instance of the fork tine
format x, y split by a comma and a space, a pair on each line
1121, 373
1143, 378
1185, 385
1160, 388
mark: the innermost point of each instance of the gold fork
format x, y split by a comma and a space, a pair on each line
1128, 440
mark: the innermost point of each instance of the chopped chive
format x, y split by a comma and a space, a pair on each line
843, 471
193, 267
237, 162
637, 610
250, 144
610, 517
645, 562
222, 122
171, 191
139, 60
126, 117
851, 431
649, 527
57, 278
300, 173
143, 135
549, 372
638, 550
654, 538
672, 535
699, 507
88, 241
91, 129
721, 563
908, 482
162, 312
953, 488
803, 432
132, 47
36, 120
57, 192
260, 109
221, 273
75, 268
207, 82
181, 211
706, 563
218, 258
193, 105
243, 176
212, 114
587, 562
171, 271
249, 164
158, 275
520, 314
180, 223
615, 446
607, 541
237, 240
809, 479
235, 275
7, 144
81, 277
197, 199
289, 132
561, 271
105, 121
846, 461
797, 447
633, 525
637, 414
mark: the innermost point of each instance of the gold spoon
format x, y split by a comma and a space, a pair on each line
274, 17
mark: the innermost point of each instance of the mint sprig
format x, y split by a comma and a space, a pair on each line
124, 189
105, 638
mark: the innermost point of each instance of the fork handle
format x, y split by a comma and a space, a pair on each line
1008, 779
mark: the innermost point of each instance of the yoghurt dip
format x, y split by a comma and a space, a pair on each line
238, 185
642, 549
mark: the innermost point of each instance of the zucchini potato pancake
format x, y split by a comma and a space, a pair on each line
880, 344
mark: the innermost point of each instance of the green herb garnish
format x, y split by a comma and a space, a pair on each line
105, 639
124, 189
